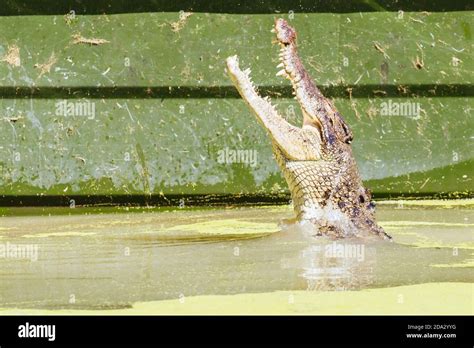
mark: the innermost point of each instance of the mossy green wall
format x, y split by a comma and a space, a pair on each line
163, 107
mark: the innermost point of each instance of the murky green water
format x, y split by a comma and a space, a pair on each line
112, 260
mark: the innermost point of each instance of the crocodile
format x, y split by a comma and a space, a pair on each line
316, 159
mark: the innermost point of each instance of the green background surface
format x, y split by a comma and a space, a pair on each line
164, 106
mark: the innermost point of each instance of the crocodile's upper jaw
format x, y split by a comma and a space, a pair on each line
316, 159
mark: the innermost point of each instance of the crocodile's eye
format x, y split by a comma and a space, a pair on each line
361, 199
371, 205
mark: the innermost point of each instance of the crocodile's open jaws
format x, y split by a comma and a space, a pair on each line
316, 159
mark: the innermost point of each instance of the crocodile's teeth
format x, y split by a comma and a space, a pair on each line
247, 71
282, 72
273, 30
281, 65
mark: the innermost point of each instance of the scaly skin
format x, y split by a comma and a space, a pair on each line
316, 159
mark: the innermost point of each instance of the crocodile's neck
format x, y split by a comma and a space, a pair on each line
323, 193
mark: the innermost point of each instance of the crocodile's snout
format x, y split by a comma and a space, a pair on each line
285, 34
318, 112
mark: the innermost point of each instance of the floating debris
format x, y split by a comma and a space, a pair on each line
13, 119
79, 158
372, 111
455, 61
349, 92
79, 39
177, 26
379, 48
417, 20
70, 18
402, 89
418, 63
379, 92
46, 67
426, 181
13, 56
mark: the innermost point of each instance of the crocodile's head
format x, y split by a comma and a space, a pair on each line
317, 158
318, 112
